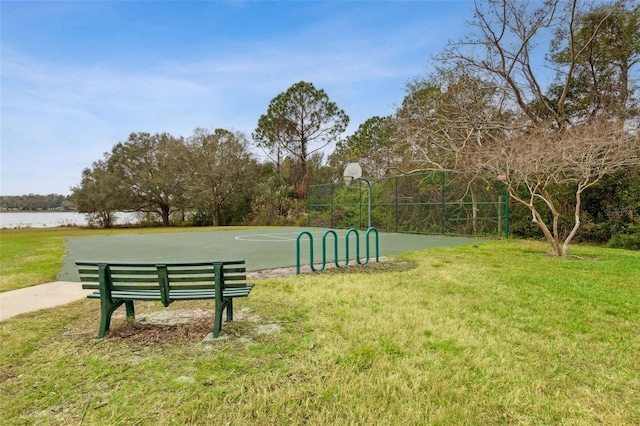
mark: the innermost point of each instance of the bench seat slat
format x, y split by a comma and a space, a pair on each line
235, 277
90, 287
175, 287
234, 270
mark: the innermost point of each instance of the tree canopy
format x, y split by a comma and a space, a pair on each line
223, 173
300, 122
210, 175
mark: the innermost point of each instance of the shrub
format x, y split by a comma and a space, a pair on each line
629, 240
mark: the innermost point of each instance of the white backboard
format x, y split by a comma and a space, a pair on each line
352, 172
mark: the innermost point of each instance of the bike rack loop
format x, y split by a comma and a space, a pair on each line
335, 248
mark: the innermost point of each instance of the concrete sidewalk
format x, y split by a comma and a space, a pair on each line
31, 299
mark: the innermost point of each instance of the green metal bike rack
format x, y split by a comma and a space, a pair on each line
335, 248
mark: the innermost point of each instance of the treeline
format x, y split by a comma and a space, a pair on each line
33, 202
567, 152
208, 178
213, 177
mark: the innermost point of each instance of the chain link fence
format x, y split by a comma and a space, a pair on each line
447, 203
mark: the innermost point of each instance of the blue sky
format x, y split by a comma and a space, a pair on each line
80, 76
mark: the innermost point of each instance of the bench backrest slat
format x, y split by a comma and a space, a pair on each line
116, 270
208, 271
117, 278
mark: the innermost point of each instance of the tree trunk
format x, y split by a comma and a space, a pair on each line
303, 184
624, 90
215, 219
301, 180
107, 219
165, 213
576, 224
537, 219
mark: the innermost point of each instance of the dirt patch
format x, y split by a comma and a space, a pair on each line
275, 272
166, 325
386, 264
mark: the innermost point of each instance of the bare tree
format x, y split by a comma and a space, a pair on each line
603, 48
504, 47
443, 121
543, 146
445, 117
541, 165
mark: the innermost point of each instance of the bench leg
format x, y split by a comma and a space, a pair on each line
217, 325
131, 312
220, 308
230, 310
106, 310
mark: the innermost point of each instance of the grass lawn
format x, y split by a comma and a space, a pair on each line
493, 333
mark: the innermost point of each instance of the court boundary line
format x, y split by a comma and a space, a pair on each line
271, 238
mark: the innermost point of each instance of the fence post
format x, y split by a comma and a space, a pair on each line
442, 220
309, 206
499, 214
331, 205
397, 214
506, 214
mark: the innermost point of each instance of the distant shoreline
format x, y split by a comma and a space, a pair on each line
15, 219
39, 211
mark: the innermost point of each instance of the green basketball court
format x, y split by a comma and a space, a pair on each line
263, 248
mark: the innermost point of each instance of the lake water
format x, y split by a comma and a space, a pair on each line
52, 219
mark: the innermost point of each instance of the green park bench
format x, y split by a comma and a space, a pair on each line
117, 283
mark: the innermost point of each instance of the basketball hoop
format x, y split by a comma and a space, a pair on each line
352, 172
